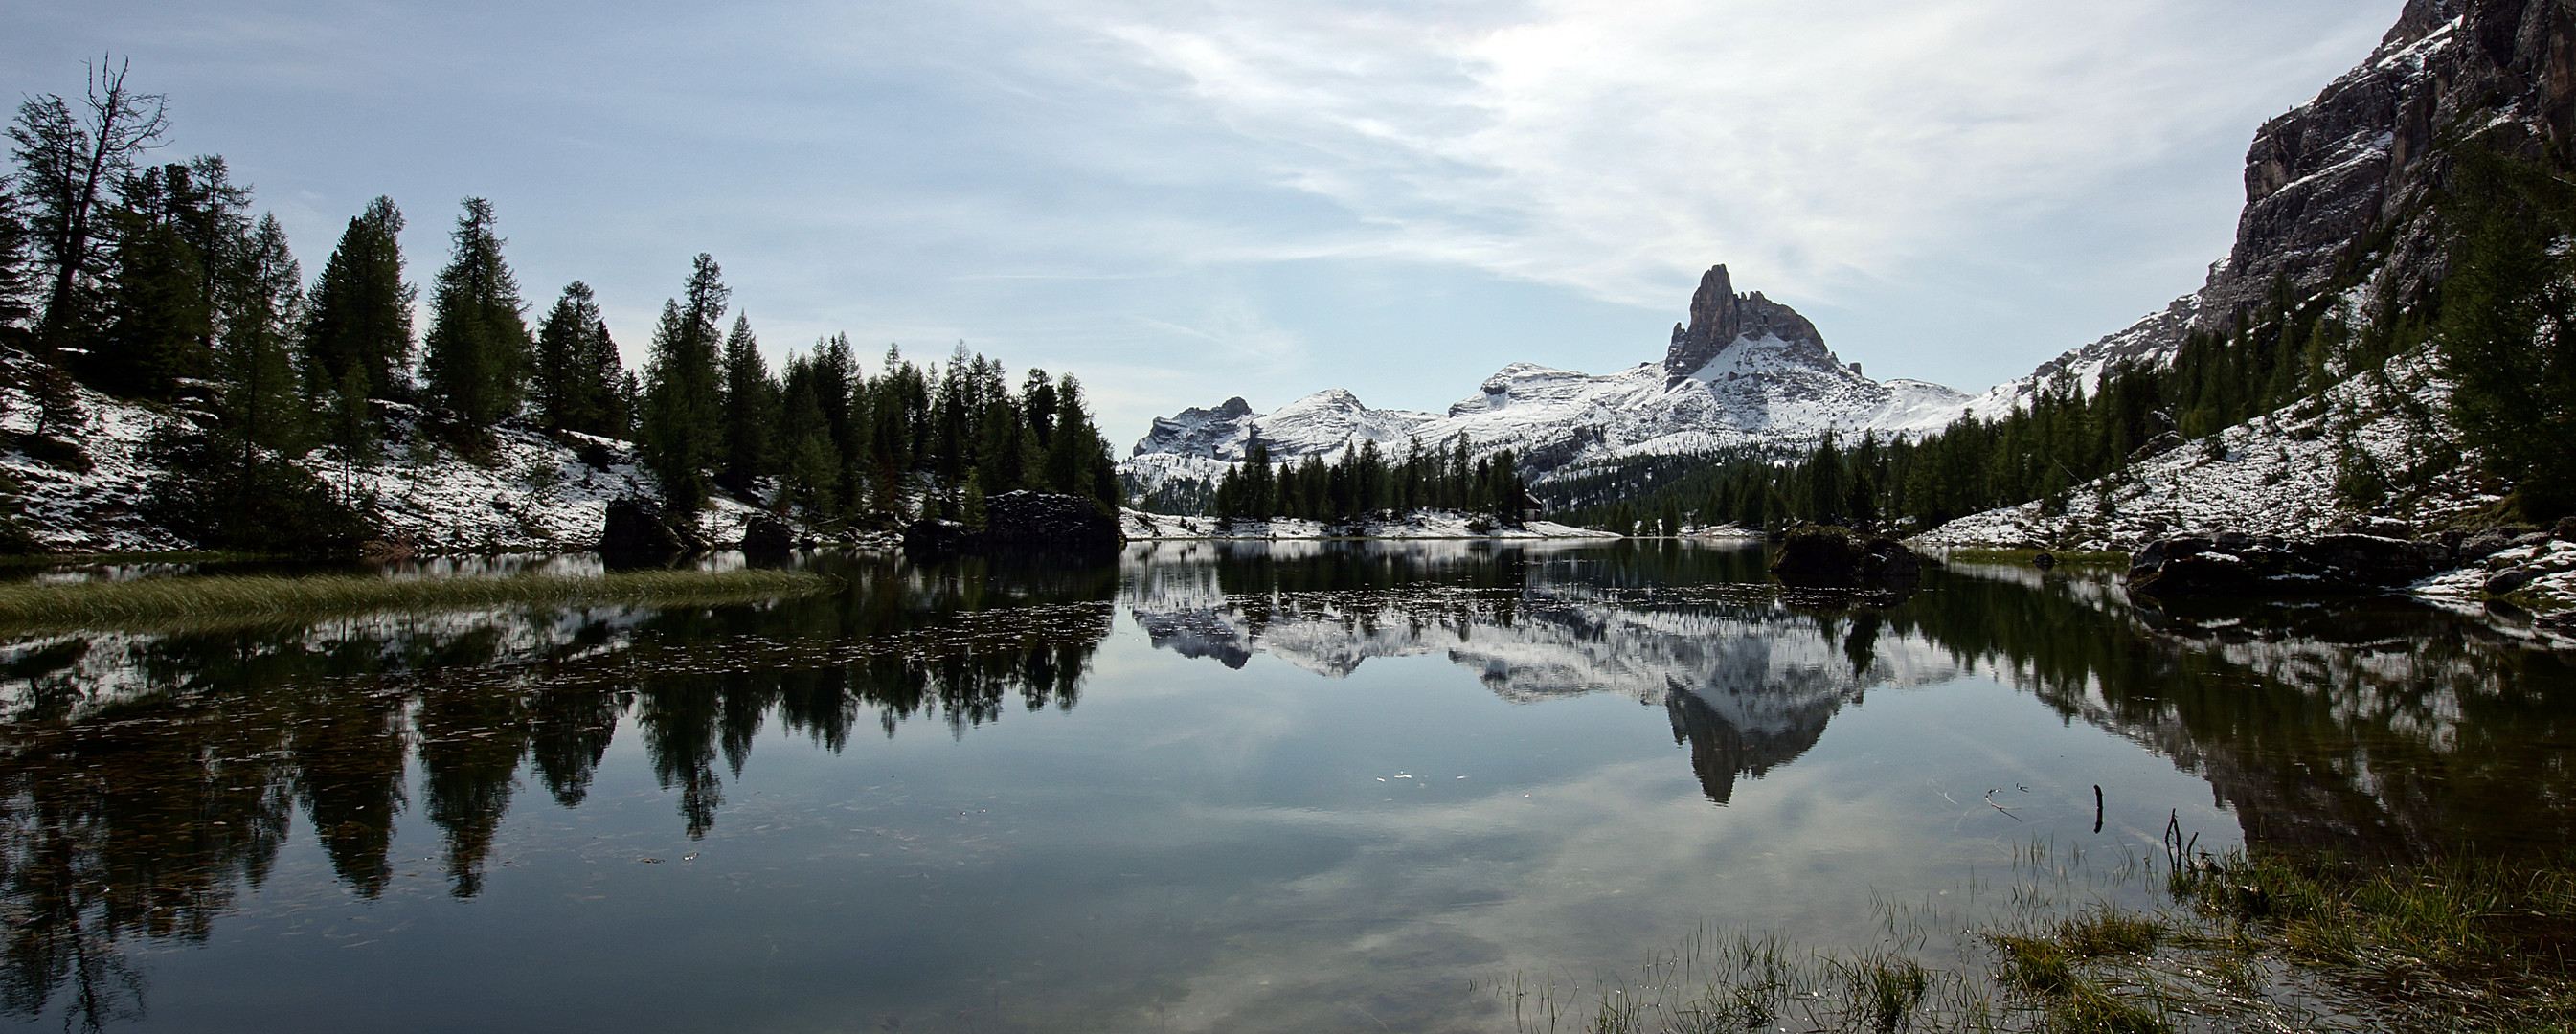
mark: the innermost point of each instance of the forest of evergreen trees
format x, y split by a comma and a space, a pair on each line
153, 283
1365, 482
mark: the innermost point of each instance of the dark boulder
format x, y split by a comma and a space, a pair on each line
1836, 558
938, 538
766, 534
2382, 527
2486, 544
1044, 519
2511, 580
2237, 564
641, 528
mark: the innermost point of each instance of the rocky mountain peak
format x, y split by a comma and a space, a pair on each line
2345, 181
1199, 432
2418, 20
1719, 317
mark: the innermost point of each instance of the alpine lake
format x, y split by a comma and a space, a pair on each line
1210, 786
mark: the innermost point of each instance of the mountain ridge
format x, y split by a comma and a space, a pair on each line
1744, 373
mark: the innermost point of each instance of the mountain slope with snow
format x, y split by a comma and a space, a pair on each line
84, 480
1745, 373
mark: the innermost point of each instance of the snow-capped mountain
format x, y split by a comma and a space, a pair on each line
1745, 372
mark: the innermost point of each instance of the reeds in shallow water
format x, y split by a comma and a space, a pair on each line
230, 599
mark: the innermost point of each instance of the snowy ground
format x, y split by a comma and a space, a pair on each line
2551, 596
2276, 477
1427, 524
533, 493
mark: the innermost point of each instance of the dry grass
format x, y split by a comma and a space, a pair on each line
258, 599
2269, 942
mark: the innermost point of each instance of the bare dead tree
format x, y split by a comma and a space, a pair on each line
71, 159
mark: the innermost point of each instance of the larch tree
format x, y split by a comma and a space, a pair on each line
70, 162
177, 233
477, 349
750, 411
2507, 333
254, 358
569, 382
357, 331
682, 410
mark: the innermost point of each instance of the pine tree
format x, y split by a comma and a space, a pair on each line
69, 164
255, 358
1077, 460
172, 242
2507, 332
750, 412
17, 269
611, 411
811, 478
682, 410
572, 387
358, 323
477, 349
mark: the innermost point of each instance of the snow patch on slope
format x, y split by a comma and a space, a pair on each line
533, 493
2276, 475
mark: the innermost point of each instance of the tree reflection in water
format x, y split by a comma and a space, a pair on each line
147, 779
2373, 727
144, 779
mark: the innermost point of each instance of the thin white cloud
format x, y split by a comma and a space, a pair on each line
1616, 145
1956, 189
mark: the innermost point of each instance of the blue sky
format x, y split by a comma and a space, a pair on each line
1181, 201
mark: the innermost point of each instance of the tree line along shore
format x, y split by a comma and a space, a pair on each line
153, 284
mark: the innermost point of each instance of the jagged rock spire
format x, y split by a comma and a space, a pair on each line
1718, 316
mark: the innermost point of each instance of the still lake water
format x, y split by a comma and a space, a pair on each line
1210, 787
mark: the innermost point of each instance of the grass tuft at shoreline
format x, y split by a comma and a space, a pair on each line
2263, 942
226, 599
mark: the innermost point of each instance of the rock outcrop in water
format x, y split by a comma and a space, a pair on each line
1022, 520
1838, 558
2237, 564
641, 529
1049, 520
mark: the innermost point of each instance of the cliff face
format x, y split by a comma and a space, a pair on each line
2341, 188
2346, 180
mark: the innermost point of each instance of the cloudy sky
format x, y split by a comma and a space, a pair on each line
1190, 199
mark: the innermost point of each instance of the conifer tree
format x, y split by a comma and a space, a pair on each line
159, 314
477, 349
750, 411
811, 478
1077, 460
2507, 331
577, 370
357, 332
838, 393
255, 357
17, 269
682, 410
69, 163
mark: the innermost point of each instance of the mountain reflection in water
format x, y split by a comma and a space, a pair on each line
147, 780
